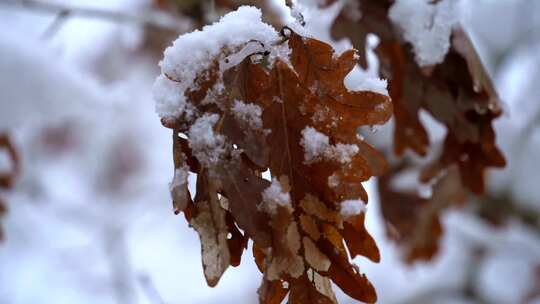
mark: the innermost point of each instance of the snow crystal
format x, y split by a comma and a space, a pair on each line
343, 153
351, 208
206, 145
315, 144
249, 113
427, 26
274, 196
195, 52
317, 147
333, 181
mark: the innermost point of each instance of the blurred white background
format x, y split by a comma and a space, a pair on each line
90, 218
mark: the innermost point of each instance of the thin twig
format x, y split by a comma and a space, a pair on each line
55, 25
150, 289
153, 18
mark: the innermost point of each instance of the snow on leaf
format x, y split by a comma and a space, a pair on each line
317, 147
248, 113
274, 196
350, 208
427, 26
184, 68
205, 145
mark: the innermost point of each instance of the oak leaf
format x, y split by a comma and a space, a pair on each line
269, 116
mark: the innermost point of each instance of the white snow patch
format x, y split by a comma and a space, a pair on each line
248, 112
274, 196
170, 97
426, 26
193, 53
317, 147
315, 144
350, 208
206, 145
361, 80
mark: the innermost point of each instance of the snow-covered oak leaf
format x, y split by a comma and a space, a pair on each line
7, 179
261, 101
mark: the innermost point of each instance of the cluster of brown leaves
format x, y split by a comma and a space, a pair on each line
302, 247
459, 94
7, 179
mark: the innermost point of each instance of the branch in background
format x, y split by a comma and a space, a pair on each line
120, 266
151, 18
499, 209
150, 289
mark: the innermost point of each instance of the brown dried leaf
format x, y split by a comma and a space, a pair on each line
317, 79
317, 290
7, 179
259, 257
346, 275
314, 257
414, 222
179, 187
272, 292
309, 226
237, 242
209, 221
358, 240
457, 92
284, 259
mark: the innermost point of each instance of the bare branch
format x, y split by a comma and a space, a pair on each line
152, 18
